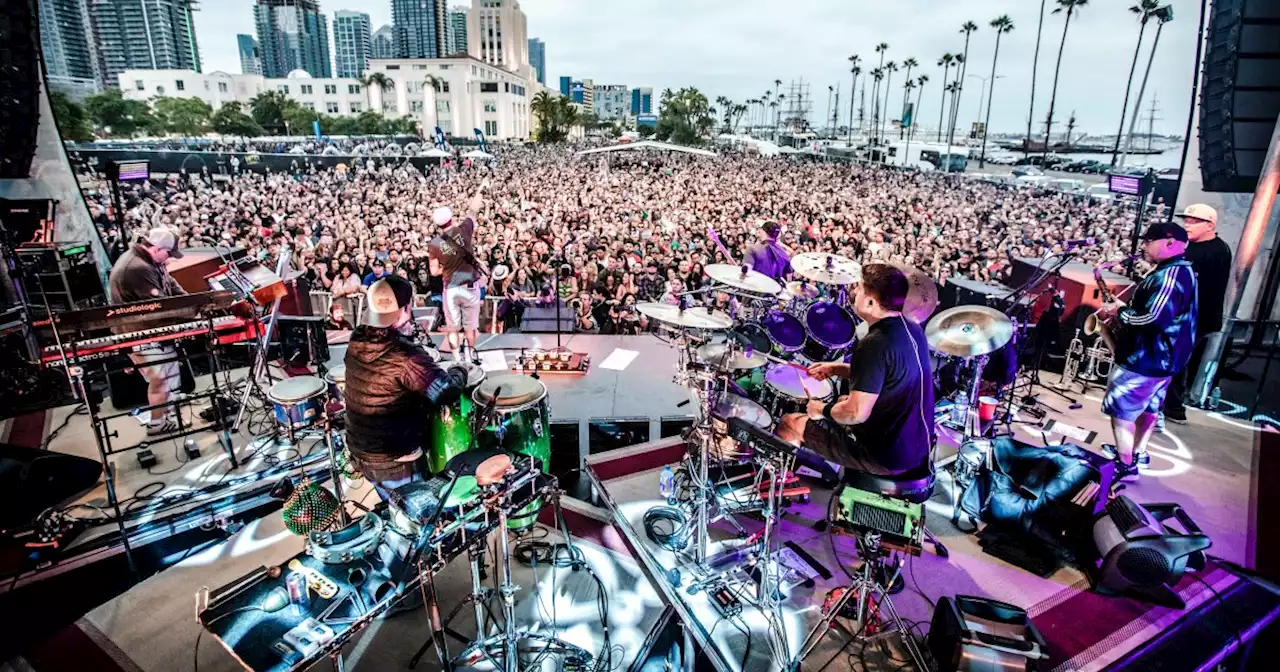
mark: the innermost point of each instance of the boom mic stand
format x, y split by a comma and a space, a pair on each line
1015, 297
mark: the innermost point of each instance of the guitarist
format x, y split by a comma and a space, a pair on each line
766, 255
452, 255
1154, 337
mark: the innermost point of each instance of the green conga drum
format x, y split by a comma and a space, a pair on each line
520, 426
451, 426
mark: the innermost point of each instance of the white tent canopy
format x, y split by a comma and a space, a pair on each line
436, 153
647, 145
477, 154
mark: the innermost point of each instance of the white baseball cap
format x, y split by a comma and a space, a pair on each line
162, 238
442, 215
1200, 211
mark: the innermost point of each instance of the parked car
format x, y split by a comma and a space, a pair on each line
1024, 170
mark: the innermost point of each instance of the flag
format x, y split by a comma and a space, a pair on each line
480, 140
439, 138
908, 115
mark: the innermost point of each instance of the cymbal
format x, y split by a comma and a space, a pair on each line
691, 318
922, 294
830, 269
721, 356
743, 278
968, 331
734, 406
797, 289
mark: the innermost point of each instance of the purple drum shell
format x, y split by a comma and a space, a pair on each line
786, 331
829, 324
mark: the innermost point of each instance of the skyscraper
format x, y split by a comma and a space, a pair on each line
611, 101
497, 34
250, 55
66, 38
383, 43
642, 100
144, 34
457, 28
420, 28
292, 35
352, 43
538, 59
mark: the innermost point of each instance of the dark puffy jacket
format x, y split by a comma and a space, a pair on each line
1158, 328
392, 388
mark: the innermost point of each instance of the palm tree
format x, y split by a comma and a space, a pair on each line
781, 97
1002, 24
889, 69
738, 110
968, 29
382, 83
906, 93
774, 105
1069, 8
1164, 15
853, 90
777, 87
1035, 63
920, 82
875, 90
1144, 9
945, 62
954, 104
432, 85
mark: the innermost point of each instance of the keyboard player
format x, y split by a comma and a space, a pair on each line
140, 274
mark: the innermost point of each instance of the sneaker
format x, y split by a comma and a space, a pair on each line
1143, 458
1126, 473
167, 425
1177, 420
1160, 423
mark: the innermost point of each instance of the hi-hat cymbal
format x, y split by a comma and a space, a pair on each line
743, 278
726, 358
922, 294
968, 331
830, 269
798, 289
692, 318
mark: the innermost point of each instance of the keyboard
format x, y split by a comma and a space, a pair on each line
226, 330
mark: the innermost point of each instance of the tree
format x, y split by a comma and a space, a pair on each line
906, 89
1068, 8
738, 110
920, 82
112, 111
645, 130
1145, 9
184, 116
968, 29
73, 121
889, 69
684, 116
554, 116
268, 109
1163, 15
853, 90
945, 62
1002, 24
877, 75
380, 82
230, 119
1035, 64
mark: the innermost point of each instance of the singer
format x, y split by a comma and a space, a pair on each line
392, 386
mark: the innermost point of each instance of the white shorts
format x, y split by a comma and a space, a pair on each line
461, 308
167, 372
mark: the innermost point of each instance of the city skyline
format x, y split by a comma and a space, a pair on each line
739, 51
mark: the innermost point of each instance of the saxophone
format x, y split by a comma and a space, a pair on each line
1095, 324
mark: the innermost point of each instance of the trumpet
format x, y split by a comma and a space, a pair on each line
1071, 365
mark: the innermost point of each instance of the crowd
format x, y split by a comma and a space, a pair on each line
606, 234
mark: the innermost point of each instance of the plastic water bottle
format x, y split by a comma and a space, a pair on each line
1215, 397
960, 408
667, 484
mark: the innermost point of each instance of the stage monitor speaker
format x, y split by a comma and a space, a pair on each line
32, 480
19, 88
1240, 92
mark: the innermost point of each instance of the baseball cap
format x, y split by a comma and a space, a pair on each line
387, 297
1165, 230
442, 215
1200, 211
163, 238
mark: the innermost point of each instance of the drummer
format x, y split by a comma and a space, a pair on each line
884, 425
392, 386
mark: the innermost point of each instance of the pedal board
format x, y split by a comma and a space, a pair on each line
725, 601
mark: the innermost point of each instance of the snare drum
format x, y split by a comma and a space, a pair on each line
788, 389
831, 329
785, 331
521, 427
298, 401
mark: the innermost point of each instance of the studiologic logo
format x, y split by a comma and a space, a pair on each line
135, 308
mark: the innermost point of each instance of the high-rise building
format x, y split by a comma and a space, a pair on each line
497, 33
70, 53
611, 101
457, 30
642, 100
144, 34
352, 43
250, 55
420, 28
383, 43
292, 35
538, 59
566, 85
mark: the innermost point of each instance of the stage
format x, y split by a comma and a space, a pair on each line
1207, 466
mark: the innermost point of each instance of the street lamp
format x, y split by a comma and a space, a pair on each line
983, 95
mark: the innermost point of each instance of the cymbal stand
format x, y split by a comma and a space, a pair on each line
769, 594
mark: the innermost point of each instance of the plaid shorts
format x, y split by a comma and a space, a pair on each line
1130, 394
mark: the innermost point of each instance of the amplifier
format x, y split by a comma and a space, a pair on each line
899, 523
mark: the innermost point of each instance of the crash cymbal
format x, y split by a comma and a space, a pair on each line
743, 278
922, 295
830, 269
799, 289
968, 331
726, 358
691, 318
734, 406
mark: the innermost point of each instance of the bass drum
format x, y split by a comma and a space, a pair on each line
831, 329
788, 389
521, 426
451, 423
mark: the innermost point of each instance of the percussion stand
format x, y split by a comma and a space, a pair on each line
335, 473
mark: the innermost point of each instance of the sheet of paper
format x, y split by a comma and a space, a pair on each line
619, 359
493, 360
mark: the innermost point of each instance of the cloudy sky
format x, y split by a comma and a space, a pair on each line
737, 48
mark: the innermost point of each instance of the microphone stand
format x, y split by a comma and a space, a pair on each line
1015, 297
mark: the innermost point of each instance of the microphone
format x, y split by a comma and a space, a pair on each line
1079, 242
493, 402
